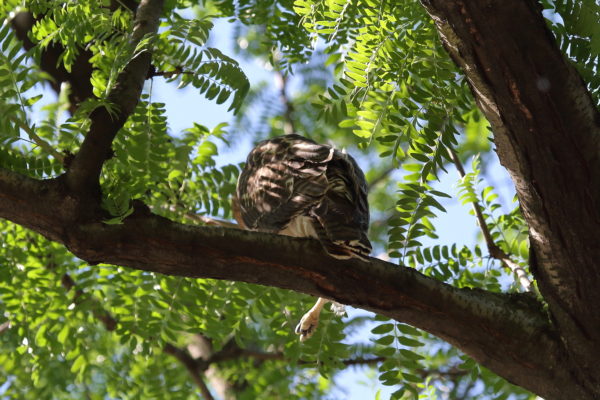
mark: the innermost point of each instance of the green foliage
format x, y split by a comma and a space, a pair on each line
575, 25
369, 76
279, 26
414, 209
72, 23
214, 74
19, 143
508, 230
398, 343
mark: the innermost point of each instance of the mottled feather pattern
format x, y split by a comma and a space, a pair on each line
294, 186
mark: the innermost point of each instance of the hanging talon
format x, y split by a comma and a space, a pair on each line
307, 325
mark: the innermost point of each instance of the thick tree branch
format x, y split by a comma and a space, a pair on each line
494, 250
81, 71
85, 168
547, 133
509, 334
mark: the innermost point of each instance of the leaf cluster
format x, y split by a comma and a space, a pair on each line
575, 26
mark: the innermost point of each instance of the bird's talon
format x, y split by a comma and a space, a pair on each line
307, 326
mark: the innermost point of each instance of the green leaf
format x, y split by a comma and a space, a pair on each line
63, 334
406, 341
383, 328
79, 363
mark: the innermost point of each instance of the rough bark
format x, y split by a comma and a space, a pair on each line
547, 134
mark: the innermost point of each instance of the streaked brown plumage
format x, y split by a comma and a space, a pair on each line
294, 186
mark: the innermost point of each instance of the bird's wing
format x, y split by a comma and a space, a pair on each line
290, 177
283, 178
343, 213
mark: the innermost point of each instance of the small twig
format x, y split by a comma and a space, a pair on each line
453, 371
363, 361
39, 141
288, 121
495, 251
110, 324
232, 351
4, 326
168, 74
192, 367
380, 178
350, 362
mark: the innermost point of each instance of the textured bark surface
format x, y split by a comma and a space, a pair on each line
547, 134
546, 130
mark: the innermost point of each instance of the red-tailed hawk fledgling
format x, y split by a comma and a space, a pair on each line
294, 186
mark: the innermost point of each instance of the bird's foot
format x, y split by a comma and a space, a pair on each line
307, 325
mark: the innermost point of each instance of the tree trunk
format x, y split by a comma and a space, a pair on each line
547, 132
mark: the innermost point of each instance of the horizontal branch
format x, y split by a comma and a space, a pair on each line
509, 334
232, 351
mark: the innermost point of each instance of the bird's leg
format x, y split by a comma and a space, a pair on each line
308, 324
